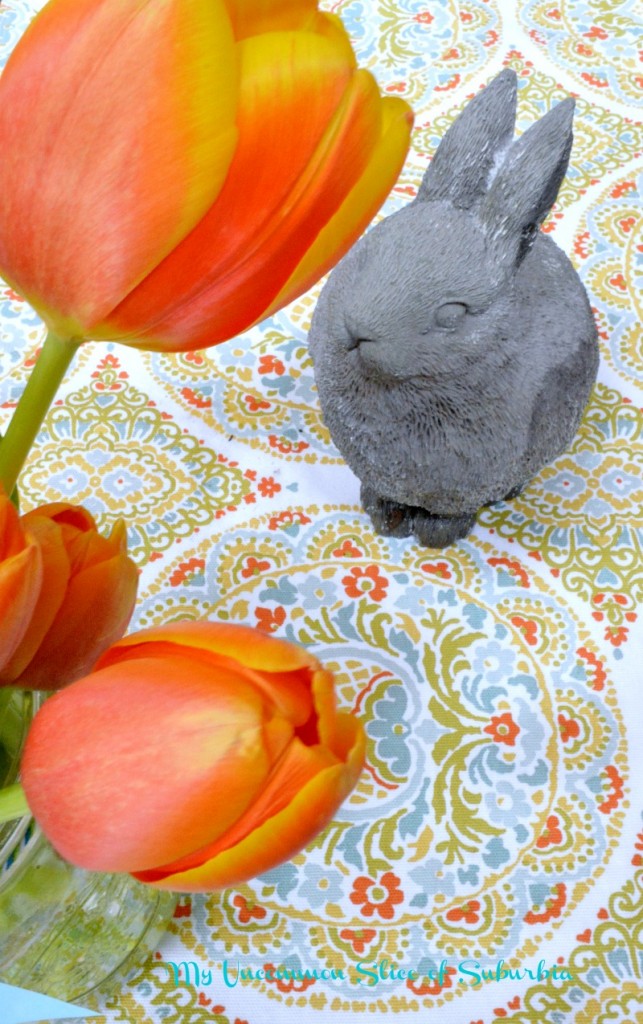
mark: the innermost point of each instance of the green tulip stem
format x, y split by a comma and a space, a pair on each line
46, 377
13, 803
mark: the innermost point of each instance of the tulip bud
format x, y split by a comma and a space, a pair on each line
66, 594
195, 756
172, 173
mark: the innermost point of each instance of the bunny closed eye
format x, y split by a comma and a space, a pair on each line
450, 314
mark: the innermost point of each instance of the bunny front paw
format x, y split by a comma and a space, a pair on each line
389, 518
393, 519
441, 531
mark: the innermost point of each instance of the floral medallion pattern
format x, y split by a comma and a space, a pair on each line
496, 757
596, 41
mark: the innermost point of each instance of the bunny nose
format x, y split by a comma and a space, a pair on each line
357, 333
356, 342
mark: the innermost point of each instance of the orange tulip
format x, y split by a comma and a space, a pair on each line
196, 755
66, 594
172, 173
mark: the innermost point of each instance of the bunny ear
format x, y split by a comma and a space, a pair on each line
525, 188
463, 161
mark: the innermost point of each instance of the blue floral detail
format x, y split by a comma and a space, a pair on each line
69, 482
416, 600
495, 853
474, 615
320, 885
494, 661
567, 484
284, 879
283, 592
469, 876
315, 592
539, 893
389, 731
282, 385
507, 803
432, 878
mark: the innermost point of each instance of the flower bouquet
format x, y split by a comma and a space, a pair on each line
172, 174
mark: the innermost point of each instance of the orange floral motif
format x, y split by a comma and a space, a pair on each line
186, 571
195, 358
366, 581
285, 519
616, 790
598, 671
514, 567
551, 834
248, 911
425, 987
195, 399
616, 635
253, 567
468, 912
553, 907
377, 897
255, 404
424, 17
440, 569
622, 189
503, 729
269, 619
286, 984
596, 32
286, 447
270, 364
600, 83
268, 487
569, 728
111, 383
359, 938
452, 83
527, 627
580, 245
347, 550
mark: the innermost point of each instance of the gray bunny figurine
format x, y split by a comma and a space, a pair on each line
454, 347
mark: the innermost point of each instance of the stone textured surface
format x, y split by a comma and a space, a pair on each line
454, 346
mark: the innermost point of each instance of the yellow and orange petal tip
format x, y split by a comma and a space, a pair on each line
250, 647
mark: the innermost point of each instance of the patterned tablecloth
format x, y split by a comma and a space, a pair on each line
498, 821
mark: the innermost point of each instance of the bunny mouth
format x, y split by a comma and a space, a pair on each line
354, 342
376, 362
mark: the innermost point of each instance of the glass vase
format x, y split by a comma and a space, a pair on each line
64, 931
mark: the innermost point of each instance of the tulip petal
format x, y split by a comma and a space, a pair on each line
90, 786
288, 692
360, 205
55, 575
226, 273
248, 646
280, 670
281, 835
89, 207
95, 611
20, 584
255, 17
